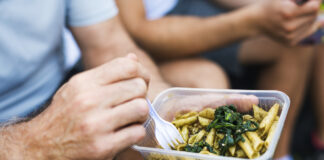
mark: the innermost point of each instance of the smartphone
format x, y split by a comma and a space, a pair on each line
300, 2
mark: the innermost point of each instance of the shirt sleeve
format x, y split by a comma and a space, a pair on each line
88, 12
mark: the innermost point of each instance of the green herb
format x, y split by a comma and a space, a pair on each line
199, 146
230, 122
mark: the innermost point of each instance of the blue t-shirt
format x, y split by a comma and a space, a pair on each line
31, 48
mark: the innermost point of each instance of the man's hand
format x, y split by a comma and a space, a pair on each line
287, 21
95, 115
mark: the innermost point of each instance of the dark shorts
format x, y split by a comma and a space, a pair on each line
226, 57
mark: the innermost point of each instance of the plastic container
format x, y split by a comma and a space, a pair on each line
176, 100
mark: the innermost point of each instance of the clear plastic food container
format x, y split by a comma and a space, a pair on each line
181, 100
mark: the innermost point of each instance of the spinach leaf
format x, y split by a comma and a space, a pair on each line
230, 123
199, 146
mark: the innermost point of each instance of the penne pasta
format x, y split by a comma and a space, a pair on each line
266, 123
186, 121
181, 147
220, 135
185, 133
259, 113
192, 139
210, 137
200, 135
204, 152
263, 150
232, 150
204, 121
215, 145
240, 153
247, 117
256, 141
271, 133
247, 148
207, 113
189, 114
277, 118
207, 152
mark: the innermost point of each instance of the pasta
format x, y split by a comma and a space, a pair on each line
266, 123
256, 141
224, 131
185, 133
271, 133
247, 148
210, 137
232, 150
185, 121
204, 121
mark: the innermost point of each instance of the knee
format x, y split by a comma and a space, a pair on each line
210, 75
300, 57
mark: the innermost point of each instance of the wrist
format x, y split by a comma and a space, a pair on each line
254, 19
40, 142
16, 142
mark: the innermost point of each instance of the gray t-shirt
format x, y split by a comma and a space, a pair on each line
31, 46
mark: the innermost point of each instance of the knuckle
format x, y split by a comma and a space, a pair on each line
131, 68
287, 13
141, 86
128, 66
75, 80
140, 134
289, 28
83, 101
142, 107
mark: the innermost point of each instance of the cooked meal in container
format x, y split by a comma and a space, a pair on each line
224, 131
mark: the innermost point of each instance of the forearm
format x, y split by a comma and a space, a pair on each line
177, 36
233, 4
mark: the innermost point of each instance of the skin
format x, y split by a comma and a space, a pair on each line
75, 126
105, 41
169, 36
318, 88
233, 4
210, 74
97, 113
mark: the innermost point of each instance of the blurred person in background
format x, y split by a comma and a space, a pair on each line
317, 92
97, 113
185, 34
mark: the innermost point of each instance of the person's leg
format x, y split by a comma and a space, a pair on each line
288, 71
318, 89
194, 72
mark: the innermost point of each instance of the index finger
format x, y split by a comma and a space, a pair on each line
309, 7
117, 70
